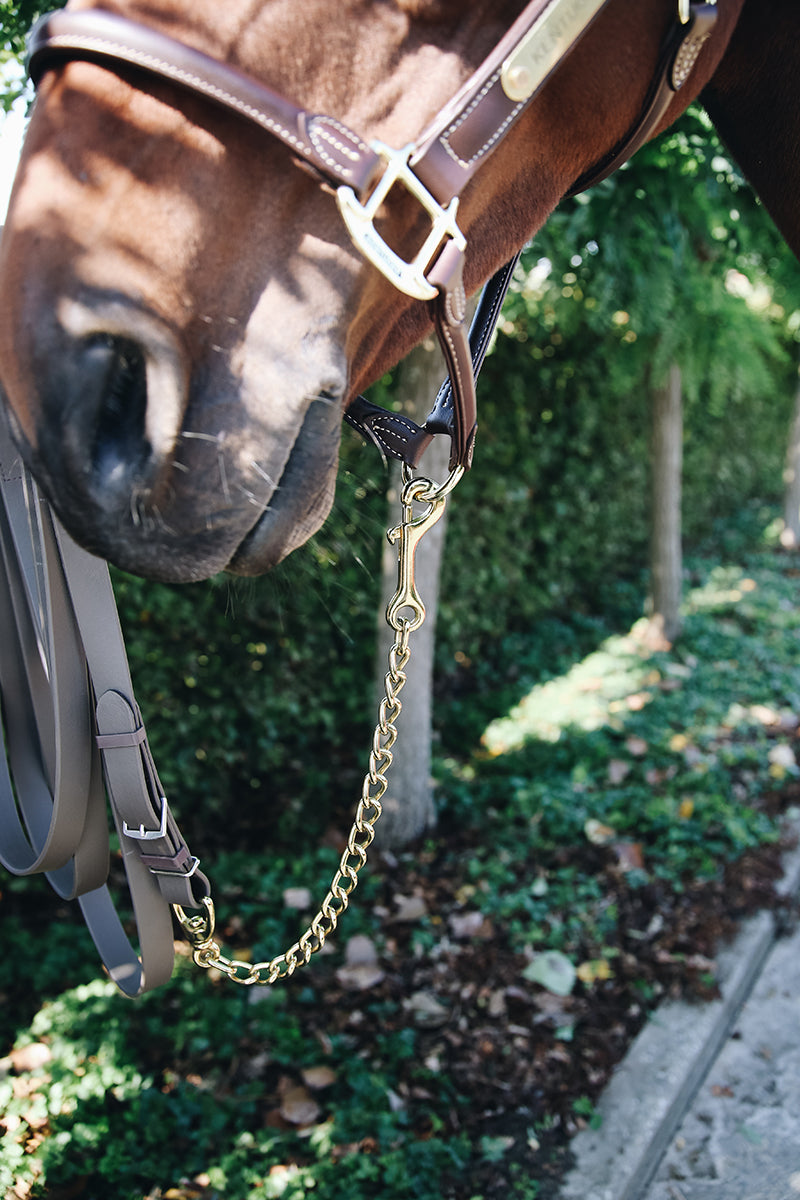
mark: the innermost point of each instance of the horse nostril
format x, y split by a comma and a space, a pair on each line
116, 371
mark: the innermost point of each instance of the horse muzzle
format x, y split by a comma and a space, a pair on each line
156, 464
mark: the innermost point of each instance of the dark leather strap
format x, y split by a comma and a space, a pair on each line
399, 437
676, 62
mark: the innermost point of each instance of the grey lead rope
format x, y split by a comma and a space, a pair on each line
71, 724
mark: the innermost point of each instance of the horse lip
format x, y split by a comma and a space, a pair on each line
303, 496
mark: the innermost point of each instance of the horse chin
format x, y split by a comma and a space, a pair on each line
302, 500
190, 542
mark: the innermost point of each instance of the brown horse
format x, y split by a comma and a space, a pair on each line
183, 315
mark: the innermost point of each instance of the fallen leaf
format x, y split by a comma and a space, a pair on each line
298, 897
618, 770
598, 833
410, 908
318, 1078
426, 1009
362, 969
299, 1107
636, 746
593, 970
629, 856
553, 971
782, 758
470, 925
656, 775
23, 1088
360, 977
360, 949
497, 1004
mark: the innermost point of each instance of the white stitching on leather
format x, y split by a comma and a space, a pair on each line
453, 366
168, 69
318, 127
685, 60
391, 421
498, 133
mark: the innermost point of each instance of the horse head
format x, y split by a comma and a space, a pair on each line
183, 314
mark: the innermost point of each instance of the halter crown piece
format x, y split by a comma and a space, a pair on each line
61, 650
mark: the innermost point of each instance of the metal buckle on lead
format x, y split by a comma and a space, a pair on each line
149, 835
182, 874
408, 277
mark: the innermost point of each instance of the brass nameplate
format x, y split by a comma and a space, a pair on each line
545, 44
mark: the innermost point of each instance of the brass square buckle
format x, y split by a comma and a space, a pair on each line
408, 277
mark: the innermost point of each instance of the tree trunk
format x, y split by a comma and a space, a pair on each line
666, 555
790, 535
408, 807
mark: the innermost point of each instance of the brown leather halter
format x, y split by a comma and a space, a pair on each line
435, 168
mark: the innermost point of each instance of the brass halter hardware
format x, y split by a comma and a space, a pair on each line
408, 277
200, 927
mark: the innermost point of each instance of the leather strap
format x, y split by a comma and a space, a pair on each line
323, 143
464, 133
63, 675
397, 436
676, 62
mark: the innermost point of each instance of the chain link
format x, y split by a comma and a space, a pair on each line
200, 927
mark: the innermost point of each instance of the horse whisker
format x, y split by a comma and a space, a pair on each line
323, 398
251, 499
223, 475
267, 478
202, 437
159, 522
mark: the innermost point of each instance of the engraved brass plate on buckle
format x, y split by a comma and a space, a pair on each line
545, 44
408, 277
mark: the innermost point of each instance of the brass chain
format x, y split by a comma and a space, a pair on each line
200, 928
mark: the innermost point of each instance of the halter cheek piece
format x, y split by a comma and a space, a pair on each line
434, 169
59, 659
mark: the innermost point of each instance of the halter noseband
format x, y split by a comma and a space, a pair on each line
434, 170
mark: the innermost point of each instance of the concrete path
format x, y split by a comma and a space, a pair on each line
706, 1105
